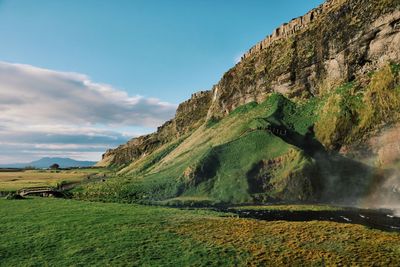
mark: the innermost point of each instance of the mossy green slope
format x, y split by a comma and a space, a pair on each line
264, 152
221, 162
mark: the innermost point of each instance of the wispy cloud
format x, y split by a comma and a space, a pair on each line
44, 108
42, 96
238, 57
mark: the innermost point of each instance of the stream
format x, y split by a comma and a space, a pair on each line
377, 219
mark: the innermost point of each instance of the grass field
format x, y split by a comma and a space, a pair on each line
57, 232
11, 181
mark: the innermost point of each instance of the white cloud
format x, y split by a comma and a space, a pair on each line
44, 96
68, 113
238, 58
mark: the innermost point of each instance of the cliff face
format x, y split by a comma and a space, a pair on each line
310, 113
192, 113
189, 115
336, 42
330, 45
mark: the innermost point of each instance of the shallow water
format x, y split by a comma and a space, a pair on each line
377, 219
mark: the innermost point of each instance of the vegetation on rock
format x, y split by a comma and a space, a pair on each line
259, 153
286, 123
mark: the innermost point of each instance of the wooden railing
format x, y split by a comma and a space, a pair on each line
36, 190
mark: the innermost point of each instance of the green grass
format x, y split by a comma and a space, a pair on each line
232, 162
38, 232
56, 232
11, 181
213, 162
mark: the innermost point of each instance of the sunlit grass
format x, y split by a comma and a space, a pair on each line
282, 243
10, 181
54, 232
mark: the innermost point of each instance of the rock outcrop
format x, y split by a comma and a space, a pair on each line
189, 115
287, 30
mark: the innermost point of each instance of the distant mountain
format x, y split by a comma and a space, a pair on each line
47, 161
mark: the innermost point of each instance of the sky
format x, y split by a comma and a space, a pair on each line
80, 76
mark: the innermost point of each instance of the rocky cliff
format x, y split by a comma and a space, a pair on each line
189, 115
334, 43
310, 113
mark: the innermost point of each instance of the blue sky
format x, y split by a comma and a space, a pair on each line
157, 51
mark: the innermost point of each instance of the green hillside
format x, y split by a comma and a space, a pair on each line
279, 149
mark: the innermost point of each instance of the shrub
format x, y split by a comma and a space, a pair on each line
54, 166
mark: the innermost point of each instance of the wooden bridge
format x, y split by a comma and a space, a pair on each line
43, 190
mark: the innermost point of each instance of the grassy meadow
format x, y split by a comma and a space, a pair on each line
14, 180
58, 232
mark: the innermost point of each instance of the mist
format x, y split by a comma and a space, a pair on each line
384, 190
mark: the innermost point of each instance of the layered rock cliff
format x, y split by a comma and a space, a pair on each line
337, 42
330, 45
